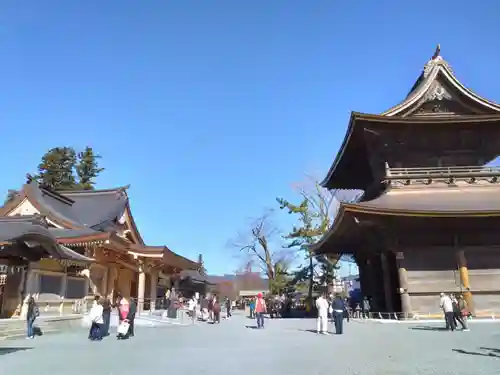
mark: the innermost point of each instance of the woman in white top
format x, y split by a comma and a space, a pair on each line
97, 321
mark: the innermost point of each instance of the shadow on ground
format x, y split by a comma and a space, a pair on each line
309, 330
428, 328
485, 352
12, 350
252, 327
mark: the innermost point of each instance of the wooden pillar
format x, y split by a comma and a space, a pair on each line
369, 282
387, 282
141, 289
112, 275
361, 262
153, 289
403, 285
464, 279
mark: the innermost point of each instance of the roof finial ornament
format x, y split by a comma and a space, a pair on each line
437, 52
29, 178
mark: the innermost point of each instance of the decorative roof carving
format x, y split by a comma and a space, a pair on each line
437, 92
438, 81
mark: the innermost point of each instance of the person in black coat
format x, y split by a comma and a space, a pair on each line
131, 317
32, 313
106, 316
339, 309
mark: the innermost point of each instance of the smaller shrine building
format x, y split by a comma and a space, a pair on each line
104, 251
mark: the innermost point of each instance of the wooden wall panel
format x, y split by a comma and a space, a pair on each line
487, 303
423, 305
433, 281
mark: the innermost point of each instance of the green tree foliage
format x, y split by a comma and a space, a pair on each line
55, 171
281, 278
61, 168
316, 213
303, 236
87, 168
327, 268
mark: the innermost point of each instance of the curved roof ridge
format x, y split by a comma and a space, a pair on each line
437, 66
96, 191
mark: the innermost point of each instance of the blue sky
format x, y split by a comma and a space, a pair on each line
211, 109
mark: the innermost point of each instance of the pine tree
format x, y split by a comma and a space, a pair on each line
303, 236
11, 195
316, 213
55, 171
87, 168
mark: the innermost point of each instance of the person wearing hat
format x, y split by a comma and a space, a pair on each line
260, 309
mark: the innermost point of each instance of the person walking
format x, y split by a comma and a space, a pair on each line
260, 309
192, 309
322, 306
339, 309
347, 309
31, 315
216, 310
131, 317
366, 308
457, 314
123, 313
211, 308
251, 306
96, 325
228, 307
446, 304
106, 316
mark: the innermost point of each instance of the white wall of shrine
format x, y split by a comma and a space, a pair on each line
26, 208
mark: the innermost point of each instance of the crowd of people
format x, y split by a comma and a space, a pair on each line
208, 308
100, 316
455, 311
334, 307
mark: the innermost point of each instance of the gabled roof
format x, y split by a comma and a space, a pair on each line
437, 82
33, 234
95, 208
90, 216
195, 276
72, 209
163, 253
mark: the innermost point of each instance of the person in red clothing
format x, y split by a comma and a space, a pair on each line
260, 310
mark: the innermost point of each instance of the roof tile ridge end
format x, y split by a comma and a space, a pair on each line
97, 191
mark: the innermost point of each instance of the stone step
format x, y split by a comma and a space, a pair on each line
6, 330
17, 334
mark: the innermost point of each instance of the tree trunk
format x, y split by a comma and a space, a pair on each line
311, 282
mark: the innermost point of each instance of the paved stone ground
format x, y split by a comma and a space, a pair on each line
284, 347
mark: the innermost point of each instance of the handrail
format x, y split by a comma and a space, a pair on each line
429, 172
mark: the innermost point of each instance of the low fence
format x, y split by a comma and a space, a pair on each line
159, 308
486, 314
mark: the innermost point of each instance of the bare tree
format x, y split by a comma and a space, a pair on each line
255, 245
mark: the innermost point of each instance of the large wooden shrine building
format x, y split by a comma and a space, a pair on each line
429, 219
75, 244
